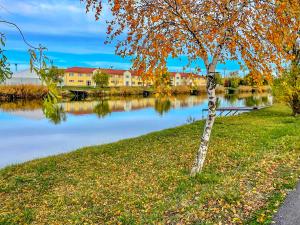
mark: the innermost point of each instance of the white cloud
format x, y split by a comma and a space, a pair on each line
52, 17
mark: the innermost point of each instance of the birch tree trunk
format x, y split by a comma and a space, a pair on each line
201, 154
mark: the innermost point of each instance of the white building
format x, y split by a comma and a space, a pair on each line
24, 77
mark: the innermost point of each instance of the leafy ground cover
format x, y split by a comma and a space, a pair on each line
253, 161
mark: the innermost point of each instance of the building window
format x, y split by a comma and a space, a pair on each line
88, 83
71, 74
80, 75
80, 81
127, 76
177, 78
133, 83
71, 81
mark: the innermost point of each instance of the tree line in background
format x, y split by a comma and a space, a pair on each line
234, 80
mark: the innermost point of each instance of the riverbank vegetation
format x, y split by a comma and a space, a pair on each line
249, 169
30, 92
174, 90
26, 91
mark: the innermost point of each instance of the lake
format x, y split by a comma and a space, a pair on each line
28, 130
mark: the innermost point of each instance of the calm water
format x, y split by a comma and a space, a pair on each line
27, 132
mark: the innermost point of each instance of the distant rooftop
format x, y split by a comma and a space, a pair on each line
116, 72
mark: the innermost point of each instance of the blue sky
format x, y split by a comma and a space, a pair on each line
73, 38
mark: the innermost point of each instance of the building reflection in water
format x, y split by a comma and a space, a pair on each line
104, 107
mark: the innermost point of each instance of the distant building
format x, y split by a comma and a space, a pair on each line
24, 77
78, 76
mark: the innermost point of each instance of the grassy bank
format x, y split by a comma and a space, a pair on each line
253, 160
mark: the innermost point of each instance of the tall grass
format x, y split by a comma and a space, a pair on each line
183, 89
24, 91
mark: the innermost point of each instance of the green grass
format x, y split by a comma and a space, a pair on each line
252, 162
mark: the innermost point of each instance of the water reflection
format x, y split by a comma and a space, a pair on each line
54, 111
162, 106
256, 101
249, 100
21, 105
36, 129
102, 109
57, 112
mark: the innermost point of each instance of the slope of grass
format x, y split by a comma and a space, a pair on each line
253, 160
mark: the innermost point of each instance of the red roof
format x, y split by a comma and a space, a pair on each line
116, 72
79, 70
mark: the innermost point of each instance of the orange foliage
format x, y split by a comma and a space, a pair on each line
254, 32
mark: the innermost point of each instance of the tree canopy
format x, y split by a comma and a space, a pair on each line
216, 30
101, 79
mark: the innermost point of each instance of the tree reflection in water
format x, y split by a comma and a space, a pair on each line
162, 105
102, 109
54, 111
256, 100
231, 98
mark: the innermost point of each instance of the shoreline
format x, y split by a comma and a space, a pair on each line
36, 92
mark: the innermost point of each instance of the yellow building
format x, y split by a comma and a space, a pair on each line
82, 77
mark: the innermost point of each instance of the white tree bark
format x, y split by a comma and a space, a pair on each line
212, 104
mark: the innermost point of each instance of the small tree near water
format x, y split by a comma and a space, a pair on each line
287, 86
287, 89
213, 31
101, 79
